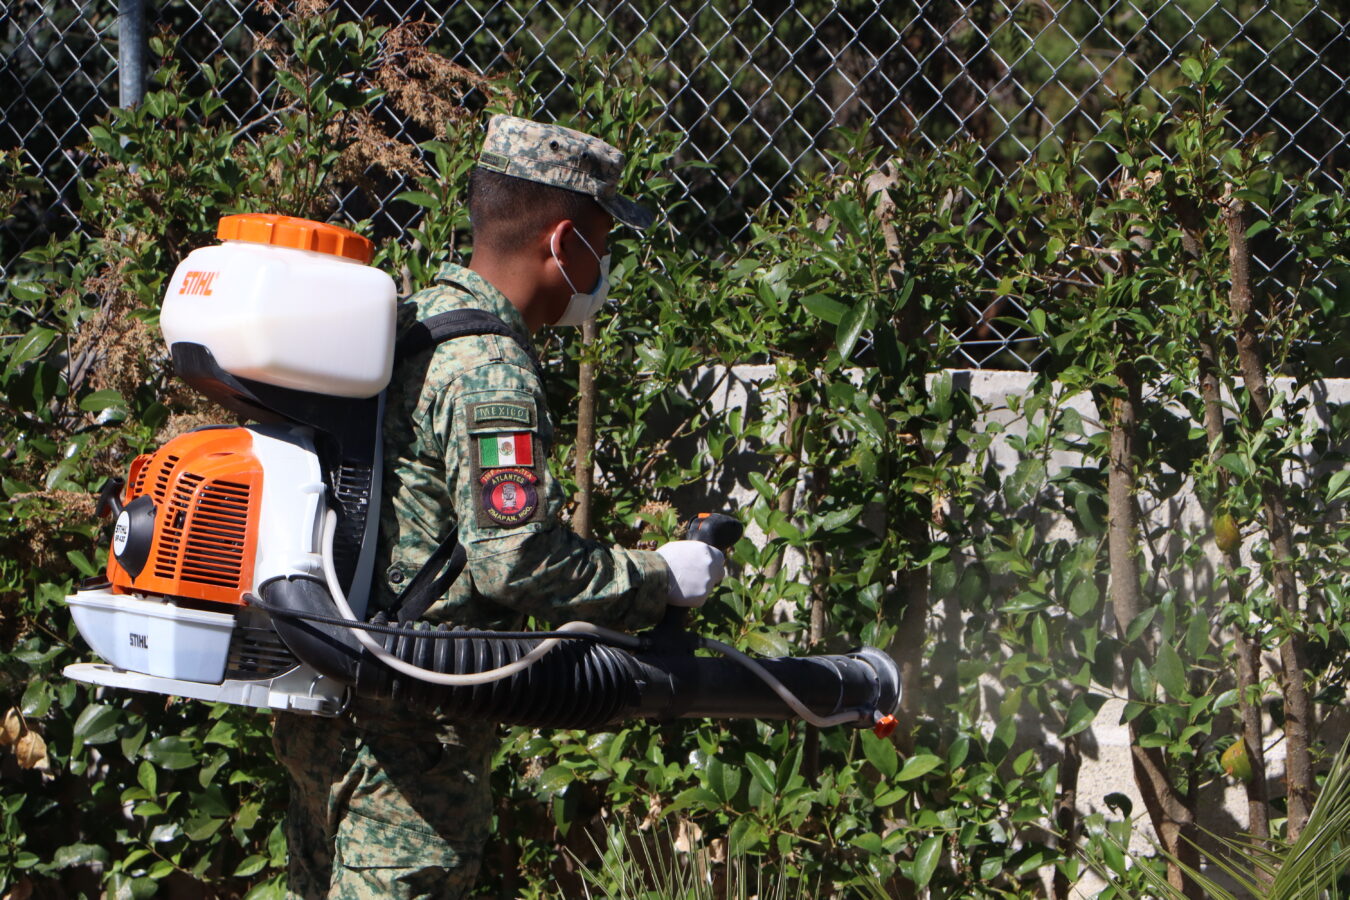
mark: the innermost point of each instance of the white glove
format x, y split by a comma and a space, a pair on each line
695, 569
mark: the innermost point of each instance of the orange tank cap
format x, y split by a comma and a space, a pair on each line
303, 234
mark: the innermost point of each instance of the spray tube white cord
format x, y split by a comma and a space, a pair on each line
491, 675
781, 690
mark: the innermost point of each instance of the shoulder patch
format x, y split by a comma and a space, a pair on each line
501, 413
507, 497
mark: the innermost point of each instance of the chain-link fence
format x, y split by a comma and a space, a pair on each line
762, 90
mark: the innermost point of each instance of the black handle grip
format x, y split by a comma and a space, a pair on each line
109, 497
714, 528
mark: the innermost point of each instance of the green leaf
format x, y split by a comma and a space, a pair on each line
79, 855
723, 779
697, 798
96, 724
27, 291
826, 308
1140, 623
767, 643
555, 778
880, 752
855, 322
81, 563
164, 833
1141, 680
761, 485
224, 732
101, 400
1084, 597
202, 827
420, 198
1170, 672
745, 835
926, 860
917, 766
37, 698
1081, 713
1197, 636
1193, 69
1236, 464
759, 768
1338, 486
251, 865
170, 753
957, 753
276, 845
29, 346
868, 843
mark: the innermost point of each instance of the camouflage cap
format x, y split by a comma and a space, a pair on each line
561, 157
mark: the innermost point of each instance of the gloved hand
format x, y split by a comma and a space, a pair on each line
695, 569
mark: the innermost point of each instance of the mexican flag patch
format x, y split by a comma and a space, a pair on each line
497, 450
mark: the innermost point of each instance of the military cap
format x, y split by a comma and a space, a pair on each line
561, 157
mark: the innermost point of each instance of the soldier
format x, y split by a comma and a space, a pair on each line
384, 803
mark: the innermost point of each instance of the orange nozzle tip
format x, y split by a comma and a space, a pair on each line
885, 725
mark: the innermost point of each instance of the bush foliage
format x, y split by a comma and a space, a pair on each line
981, 546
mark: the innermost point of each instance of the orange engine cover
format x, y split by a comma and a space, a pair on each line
207, 487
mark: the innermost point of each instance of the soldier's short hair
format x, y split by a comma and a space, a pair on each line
506, 212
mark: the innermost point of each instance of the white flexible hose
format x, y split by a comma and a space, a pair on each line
491, 675
781, 690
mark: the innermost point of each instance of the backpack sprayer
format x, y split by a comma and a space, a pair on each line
242, 557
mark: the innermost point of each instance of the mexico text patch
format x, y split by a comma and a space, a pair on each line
504, 414
507, 497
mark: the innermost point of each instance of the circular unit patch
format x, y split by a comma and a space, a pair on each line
509, 496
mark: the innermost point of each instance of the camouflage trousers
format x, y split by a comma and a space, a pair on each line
382, 808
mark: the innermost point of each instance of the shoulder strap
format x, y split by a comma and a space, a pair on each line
433, 579
459, 323
447, 561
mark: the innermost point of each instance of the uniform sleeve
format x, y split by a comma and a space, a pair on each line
495, 431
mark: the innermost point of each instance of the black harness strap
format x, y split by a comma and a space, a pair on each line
458, 323
427, 586
430, 582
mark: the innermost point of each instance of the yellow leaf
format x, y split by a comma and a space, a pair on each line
1226, 533
1236, 762
13, 728
32, 752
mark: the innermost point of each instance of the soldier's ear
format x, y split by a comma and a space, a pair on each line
557, 236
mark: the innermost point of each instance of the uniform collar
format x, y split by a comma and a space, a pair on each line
477, 293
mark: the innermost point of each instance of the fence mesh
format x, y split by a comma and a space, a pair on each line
762, 90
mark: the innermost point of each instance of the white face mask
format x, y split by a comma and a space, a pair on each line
584, 305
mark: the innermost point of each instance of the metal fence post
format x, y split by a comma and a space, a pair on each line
131, 52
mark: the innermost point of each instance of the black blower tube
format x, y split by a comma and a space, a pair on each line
579, 683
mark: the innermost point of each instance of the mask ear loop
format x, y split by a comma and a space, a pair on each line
554, 238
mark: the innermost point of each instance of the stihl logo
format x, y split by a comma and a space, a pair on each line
198, 283
139, 641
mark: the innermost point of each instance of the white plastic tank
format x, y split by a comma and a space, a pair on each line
287, 302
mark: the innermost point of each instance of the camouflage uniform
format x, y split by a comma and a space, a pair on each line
384, 803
